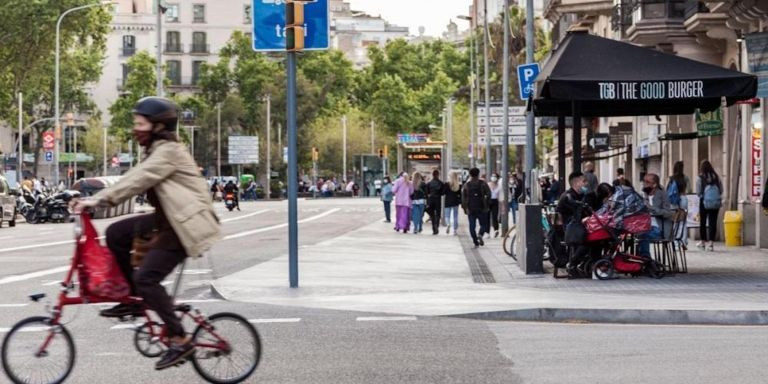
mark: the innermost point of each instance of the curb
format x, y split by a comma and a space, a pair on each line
625, 316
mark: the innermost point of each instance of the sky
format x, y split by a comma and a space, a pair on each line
434, 15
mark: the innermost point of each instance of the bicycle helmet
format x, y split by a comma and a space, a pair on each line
158, 110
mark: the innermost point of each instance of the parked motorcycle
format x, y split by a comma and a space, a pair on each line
53, 208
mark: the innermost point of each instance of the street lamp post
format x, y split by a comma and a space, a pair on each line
344, 149
472, 121
218, 140
488, 164
505, 123
268, 188
57, 115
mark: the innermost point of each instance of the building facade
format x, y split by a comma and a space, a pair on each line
707, 31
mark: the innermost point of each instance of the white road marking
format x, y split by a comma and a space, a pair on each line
387, 318
17, 278
244, 216
5, 237
42, 245
200, 301
27, 329
287, 320
265, 229
54, 282
197, 271
13, 305
125, 326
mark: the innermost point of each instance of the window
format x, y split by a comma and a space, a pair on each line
172, 13
197, 67
173, 42
174, 72
660, 9
129, 45
198, 13
247, 14
199, 44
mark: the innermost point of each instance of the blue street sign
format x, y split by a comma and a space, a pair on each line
269, 25
526, 78
48, 156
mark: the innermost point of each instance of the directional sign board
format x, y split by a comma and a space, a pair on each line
498, 140
269, 25
243, 149
499, 111
48, 156
526, 78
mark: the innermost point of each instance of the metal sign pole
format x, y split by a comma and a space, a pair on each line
505, 143
530, 139
293, 226
488, 164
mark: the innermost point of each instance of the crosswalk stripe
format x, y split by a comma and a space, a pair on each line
286, 320
387, 318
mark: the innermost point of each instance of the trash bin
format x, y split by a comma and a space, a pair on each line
732, 226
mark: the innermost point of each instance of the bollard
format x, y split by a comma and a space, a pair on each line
531, 238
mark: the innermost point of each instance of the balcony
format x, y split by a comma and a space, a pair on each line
120, 84
655, 22
199, 49
554, 9
186, 82
128, 51
173, 48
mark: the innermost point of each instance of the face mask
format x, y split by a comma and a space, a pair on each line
494, 178
648, 190
583, 190
143, 137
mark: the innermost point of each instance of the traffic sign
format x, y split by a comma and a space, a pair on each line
49, 140
499, 111
526, 78
499, 131
497, 121
48, 156
269, 25
498, 140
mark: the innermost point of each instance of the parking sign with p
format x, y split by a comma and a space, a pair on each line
526, 78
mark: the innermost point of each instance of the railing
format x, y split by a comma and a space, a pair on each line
173, 48
199, 48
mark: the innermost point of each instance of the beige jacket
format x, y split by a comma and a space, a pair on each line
183, 194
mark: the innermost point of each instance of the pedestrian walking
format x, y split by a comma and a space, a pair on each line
418, 201
495, 188
710, 191
589, 177
678, 187
476, 201
516, 187
402, 190
386, 197
435, 192
452, 192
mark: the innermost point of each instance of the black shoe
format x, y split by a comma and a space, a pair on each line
480, 240
176, 354
123, 310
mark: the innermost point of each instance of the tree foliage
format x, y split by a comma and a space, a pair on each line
140, 82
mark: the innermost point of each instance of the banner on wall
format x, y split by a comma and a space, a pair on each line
756, 166
757, 56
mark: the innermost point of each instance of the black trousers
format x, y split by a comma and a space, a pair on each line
482, 217
708, 224
158, 264
434, 210
495, 214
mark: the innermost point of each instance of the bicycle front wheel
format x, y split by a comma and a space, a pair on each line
228, 349
36, 352
510, 242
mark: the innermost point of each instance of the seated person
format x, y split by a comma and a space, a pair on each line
661, 214
570, 205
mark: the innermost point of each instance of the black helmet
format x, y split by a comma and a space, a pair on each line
158, 110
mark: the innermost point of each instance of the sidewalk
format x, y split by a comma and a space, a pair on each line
376, 269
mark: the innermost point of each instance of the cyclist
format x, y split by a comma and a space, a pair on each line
184, 223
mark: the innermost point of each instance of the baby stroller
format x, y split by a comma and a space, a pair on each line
615, 259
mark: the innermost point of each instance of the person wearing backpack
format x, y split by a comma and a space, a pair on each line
678, 187
710, 191
476, 202
434, 200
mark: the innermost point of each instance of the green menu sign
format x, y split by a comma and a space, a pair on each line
709, 123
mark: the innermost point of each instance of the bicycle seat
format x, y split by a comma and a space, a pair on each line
182, 308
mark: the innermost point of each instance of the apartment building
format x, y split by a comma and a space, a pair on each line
708, 31
352, 32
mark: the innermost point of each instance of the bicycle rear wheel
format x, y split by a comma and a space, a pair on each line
228, 349
510, 242
36, 352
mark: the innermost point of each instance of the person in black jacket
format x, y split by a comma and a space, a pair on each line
434, 200
476, 201
570, 205
452, 192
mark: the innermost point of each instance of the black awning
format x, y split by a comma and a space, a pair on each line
611, 78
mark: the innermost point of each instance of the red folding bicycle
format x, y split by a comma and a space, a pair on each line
40, 349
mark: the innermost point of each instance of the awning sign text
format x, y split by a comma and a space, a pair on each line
651, 90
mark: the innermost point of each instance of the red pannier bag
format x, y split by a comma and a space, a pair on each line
638, 223
622, 265
98, 271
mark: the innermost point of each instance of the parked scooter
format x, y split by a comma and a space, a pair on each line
53, 208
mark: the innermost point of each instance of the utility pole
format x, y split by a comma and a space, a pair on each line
472, 122
268, 99
530, 139
218, 140
488, 162
74, 155
19, 154
449, 136
104, 143
373, 137
159, 58
344, 147
293, 225
280, 139
505, 123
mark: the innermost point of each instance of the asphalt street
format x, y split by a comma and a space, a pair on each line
302, 345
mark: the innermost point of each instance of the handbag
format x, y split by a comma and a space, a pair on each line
98, 271
575, 232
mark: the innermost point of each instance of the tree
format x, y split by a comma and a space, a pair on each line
139, 83
93, 144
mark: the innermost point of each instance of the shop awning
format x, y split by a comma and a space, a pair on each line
604, 77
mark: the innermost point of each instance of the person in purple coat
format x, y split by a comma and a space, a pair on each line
402, 190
